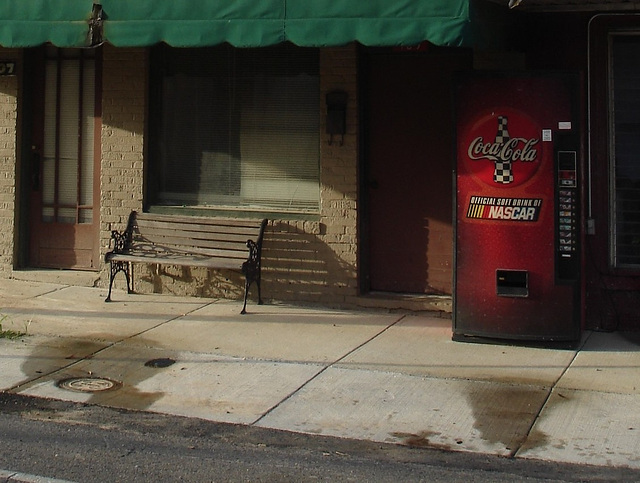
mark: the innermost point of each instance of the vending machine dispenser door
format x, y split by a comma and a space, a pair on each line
517, 209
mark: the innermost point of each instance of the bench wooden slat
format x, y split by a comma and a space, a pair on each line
182, 240
196, 237
206, 262
204, 224
156, 249
240, 234
198, 229
206, 220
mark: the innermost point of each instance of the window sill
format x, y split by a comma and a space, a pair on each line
232, 213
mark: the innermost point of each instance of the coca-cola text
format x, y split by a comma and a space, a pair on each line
508, 151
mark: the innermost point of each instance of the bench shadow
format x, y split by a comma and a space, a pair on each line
297, 266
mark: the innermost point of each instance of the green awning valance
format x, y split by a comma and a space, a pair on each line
242, 23
193, 23
27, 23
309, 23
376, 22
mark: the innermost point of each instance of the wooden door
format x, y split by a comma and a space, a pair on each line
64, 200
408, 168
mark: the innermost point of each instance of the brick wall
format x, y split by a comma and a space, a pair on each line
317, 261
309, 261
8, 157
123, 114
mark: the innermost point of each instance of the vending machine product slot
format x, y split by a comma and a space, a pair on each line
512, 283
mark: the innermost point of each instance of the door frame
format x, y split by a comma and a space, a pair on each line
365, 54
611, 292
33, 62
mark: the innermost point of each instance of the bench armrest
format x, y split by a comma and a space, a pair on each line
255, 252
122, 239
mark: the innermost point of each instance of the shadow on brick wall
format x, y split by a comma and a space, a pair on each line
301, 266
297, 266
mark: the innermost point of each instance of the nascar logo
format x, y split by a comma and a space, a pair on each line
511, 209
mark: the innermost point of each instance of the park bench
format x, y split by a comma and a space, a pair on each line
219, 243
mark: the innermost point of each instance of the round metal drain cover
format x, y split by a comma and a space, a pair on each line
88, 384
159, 363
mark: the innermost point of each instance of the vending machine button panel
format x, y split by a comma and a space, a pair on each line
567, 214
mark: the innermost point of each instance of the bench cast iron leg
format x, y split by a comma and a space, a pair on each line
115, 268
247, 283
251, 270
251, 276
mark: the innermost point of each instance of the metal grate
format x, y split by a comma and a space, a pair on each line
88, 384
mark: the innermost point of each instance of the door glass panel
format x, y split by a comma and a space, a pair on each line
88, 136
67, 215
626, 146
86, 216
68, 136
47, 215
68, 181
49, 148
48, 176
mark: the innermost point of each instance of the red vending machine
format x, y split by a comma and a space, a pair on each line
517, 233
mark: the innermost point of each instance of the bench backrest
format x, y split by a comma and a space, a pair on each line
213, 237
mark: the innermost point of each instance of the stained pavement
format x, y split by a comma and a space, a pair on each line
371, 375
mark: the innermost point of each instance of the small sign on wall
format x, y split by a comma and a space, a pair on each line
7, 67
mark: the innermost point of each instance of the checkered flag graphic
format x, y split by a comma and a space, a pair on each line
502, 173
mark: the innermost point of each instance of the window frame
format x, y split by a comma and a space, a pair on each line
614, 248
155, 111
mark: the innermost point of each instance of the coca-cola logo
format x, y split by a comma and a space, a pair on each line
504, 149
515, 149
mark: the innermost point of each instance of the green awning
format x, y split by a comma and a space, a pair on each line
242, 23
193, 23
376, 22
308, 23
27, 23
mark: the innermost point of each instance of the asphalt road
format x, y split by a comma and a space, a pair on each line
82, 443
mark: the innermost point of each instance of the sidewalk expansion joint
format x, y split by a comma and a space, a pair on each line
323, 370
552, 387
53, 290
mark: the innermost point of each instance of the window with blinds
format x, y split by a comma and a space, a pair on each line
625, 77
235, 128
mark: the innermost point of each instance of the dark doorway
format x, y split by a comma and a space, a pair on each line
407, 168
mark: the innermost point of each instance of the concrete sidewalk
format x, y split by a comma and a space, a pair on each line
373, 375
